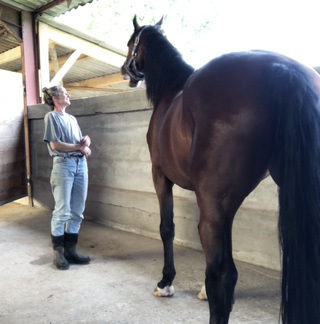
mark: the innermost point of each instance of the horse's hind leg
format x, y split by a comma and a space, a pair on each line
221, 274
163, 187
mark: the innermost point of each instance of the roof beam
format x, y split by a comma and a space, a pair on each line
70, 88
98, 82
53, 58
10, 55
92, 50
51, 5
15, 54
2, 31
63, 59
66, 67
12, 33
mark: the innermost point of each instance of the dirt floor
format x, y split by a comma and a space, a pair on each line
116, 287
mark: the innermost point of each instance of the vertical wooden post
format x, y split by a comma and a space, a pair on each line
30, 82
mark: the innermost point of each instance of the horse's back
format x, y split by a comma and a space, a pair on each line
233, 127
242, 73
233, 80
229, 105
236, 91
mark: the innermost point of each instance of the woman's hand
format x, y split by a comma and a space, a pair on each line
83, 147
85, 151
86, 141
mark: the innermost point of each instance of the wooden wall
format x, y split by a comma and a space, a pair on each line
12, 153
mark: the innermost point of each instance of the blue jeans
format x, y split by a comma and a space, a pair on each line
69, 185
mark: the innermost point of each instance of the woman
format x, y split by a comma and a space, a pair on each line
69, 176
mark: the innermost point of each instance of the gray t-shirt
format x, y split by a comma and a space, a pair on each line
61, 128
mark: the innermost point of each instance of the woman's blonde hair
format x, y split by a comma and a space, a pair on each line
51, 92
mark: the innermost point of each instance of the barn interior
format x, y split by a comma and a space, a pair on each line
120, 231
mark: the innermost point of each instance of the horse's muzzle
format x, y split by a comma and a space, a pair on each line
127, 76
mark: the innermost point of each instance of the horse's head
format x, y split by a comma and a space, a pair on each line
133, 66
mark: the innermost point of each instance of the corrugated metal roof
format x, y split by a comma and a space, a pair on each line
14, 66
92, 73
7, 42
34, 5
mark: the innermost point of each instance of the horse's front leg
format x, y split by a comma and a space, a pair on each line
163, 188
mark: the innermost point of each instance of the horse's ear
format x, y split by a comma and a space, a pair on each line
135, 23
159, 23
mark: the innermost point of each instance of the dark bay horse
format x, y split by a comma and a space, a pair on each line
217, 131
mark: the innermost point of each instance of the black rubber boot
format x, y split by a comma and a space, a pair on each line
58, 256
70, 252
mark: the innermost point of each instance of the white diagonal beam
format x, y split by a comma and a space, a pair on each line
65, 68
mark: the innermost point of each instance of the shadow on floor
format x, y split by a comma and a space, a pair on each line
116, 287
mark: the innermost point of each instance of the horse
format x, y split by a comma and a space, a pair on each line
218, 130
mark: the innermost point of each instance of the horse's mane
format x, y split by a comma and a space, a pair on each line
164, 66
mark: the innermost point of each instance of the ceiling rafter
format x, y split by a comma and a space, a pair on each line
70, 88
90, 49
18, 39
94, 72
98, 81
51, 5
62, 59
10, 55
49, 37
65, 68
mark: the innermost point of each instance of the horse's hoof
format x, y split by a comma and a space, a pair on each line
167, 291
203, 294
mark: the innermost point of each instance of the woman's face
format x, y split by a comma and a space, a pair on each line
64, 98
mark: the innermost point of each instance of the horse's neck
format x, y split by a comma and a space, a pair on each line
166, 72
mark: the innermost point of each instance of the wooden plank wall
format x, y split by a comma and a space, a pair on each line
12, 152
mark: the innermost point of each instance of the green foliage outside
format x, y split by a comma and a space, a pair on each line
203, 29
111, 20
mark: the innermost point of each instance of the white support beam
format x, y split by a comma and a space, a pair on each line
63, 59
65, 68
85, 47
44, 56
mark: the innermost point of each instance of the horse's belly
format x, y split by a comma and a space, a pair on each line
178, 175
174, 157
170, 142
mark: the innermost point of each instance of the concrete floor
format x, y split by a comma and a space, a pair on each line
116, 287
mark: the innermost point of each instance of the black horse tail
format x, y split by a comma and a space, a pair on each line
297, 161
